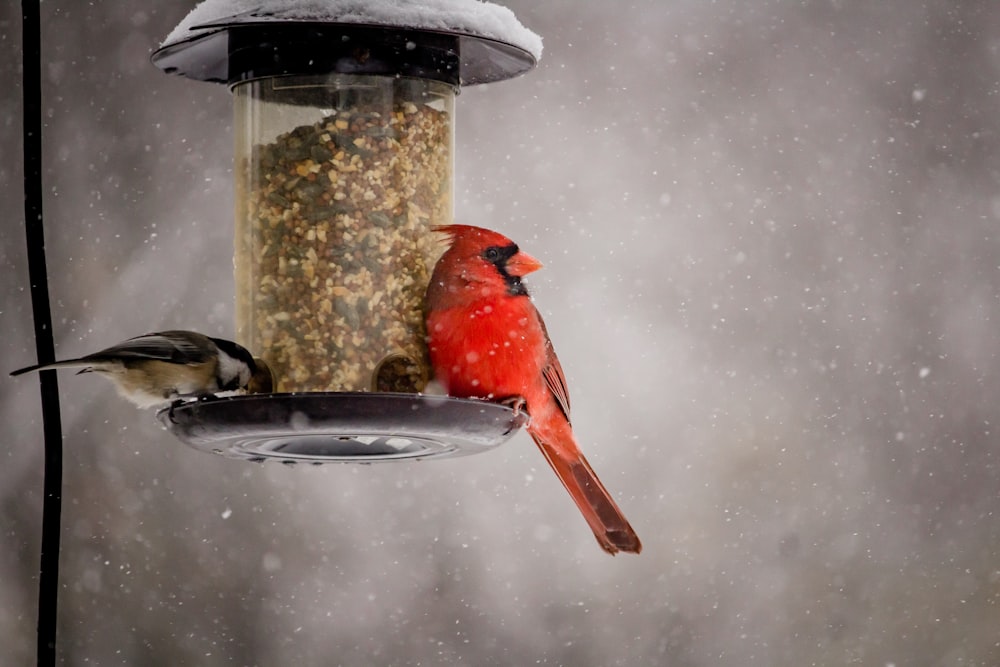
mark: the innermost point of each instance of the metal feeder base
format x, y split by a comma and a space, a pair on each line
341, 427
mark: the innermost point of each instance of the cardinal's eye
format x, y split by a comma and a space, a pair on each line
492, 254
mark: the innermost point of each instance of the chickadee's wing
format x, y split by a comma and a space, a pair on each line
178, 347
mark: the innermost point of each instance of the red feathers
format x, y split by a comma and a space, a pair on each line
487, 340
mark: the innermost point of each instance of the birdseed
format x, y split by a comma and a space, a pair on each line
335, 250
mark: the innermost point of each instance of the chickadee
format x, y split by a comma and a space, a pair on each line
157, 368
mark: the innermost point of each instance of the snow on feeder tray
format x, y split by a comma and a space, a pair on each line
344, 122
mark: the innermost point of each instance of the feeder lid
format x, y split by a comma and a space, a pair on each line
464, 41
341, 427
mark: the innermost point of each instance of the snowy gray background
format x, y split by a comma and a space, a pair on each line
770, 236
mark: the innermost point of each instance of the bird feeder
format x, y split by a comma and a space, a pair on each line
344, 162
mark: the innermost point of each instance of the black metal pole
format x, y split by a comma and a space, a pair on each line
48, 573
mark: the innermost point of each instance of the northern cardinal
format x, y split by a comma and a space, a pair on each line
157, 368
486, 340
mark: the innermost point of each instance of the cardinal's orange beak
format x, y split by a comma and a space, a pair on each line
521, 264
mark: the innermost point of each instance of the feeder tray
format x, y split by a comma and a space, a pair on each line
341, 427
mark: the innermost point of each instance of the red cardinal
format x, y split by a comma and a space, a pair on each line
488, 341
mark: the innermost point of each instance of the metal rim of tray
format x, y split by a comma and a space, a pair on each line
341, 427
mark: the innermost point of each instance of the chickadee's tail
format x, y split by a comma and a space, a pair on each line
69, 363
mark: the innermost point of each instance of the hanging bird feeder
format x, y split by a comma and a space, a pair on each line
344, 161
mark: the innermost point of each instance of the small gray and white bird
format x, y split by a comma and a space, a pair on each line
158, 368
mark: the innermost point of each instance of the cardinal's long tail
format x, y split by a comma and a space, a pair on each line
610, 526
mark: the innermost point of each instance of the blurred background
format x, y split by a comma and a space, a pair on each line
770, 232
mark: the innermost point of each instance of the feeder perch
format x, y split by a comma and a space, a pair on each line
344, 161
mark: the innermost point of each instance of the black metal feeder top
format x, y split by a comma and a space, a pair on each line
481, 43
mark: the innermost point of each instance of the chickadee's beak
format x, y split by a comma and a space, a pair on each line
262, 381
521, 264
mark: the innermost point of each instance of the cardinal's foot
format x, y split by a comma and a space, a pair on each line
515, 403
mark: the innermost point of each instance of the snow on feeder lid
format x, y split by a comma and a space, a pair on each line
227, 41
344, 162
